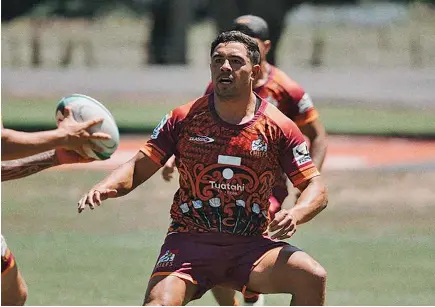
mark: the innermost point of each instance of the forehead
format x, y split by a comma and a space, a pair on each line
231, 49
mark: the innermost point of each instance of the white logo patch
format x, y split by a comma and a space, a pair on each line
305, 103
166, 260
201, 139
301, 154
160, 125
259, 145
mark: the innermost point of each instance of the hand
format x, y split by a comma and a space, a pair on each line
76, 134
95, 197
284, 224
167, 172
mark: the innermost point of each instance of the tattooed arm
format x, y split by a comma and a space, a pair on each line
19, 168
15, 169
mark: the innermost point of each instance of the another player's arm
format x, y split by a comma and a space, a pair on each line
315, 131
20, 168
70, 134
121, 181
15, 169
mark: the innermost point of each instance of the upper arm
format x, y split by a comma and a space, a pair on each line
295, 158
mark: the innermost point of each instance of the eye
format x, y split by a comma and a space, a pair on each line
218, 60
236, 61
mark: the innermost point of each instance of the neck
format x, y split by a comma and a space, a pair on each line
238, 110
264, 76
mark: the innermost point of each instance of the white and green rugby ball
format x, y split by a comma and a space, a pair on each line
85, 108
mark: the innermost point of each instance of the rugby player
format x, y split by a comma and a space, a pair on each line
230, 147
289, 97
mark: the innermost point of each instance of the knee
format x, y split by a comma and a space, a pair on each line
161, 302
319, 274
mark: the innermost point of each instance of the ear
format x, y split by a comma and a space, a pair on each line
267, 46
256, 71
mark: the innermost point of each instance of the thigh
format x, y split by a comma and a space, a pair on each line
169, 291
283, 270
14, 289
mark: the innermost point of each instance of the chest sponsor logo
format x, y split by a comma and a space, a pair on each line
301, 154
201, 139
305, 103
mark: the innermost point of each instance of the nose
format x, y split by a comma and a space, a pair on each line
226, 66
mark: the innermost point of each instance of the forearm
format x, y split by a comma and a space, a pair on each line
17, 144
311, 202
15, 169
129, 175
318, 149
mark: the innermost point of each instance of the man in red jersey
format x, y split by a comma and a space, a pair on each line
230, 146
289, 97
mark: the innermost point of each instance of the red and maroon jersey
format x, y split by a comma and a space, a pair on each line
227, 171
287, 95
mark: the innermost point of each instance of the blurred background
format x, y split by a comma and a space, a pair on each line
368, 65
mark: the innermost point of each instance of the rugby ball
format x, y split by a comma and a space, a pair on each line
85, 108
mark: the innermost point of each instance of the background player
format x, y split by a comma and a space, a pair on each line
219, 213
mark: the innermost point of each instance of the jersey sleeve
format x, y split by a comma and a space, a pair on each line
295, 157
162, 143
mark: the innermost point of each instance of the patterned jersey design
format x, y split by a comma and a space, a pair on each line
227, 171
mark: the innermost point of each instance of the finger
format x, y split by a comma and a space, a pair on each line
286, 231
287, 235
90, 198
273, 226
67, 112
97, 198
82, 203
92, 122
99, 136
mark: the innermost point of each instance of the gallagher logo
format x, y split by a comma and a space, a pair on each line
201, 139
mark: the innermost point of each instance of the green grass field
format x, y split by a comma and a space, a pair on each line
135, 116
376, 239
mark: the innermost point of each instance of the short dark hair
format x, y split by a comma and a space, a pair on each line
238, 37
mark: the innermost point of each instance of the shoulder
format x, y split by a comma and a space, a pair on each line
290, 86
191, 108
280, 120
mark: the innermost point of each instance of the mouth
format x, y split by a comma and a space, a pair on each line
225, 80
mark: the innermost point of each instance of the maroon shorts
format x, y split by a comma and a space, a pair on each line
210, 259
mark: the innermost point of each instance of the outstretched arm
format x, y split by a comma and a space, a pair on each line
121, 181
70, 134
15, 169
20, 168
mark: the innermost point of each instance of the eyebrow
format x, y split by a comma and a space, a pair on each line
216, 55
